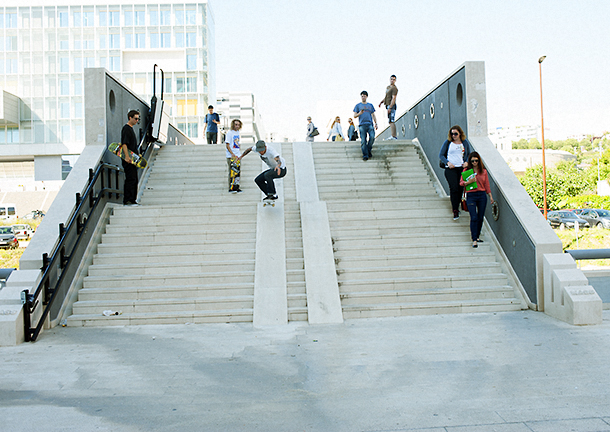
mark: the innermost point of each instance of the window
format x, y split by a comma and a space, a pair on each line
11, 20
182, 127
78, 110
154, 17
65, 133
78, 87
179, 85
191, 84
64, 64
168, 85
115, 41
128, 18
179, 40
166, 40
166, 18
77, 18
115, 64
191, 39
103, 18
89, 62
11, 43
88, 19
78, 64
128, 40
88, 42
140, 18
102, 41
64, 19
103, 62
193, 130
64, 42
154, 40
179, 16
191, 17
64, 109
11, 66
140, 40
77, 42
64, 87
191, 62
114, 18
186, 107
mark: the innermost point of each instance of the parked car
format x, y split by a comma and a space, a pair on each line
23, 231
7, 238
563, 219
598, 218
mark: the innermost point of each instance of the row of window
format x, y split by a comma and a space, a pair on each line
9, 135
87, 17
112, 63
107, 41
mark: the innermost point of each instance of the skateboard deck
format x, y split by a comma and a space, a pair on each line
136, 159
235, 173
268, 203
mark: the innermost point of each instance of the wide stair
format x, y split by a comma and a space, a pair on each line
186, 255
397, 249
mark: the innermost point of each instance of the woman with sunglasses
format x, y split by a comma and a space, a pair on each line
453, 156
335, 131
476, 198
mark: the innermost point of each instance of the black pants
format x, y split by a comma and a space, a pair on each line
265, 180
453, 176
130, 191
212, 137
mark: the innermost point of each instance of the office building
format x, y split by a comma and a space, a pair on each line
45, 47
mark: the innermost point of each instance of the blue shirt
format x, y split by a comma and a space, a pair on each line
365, 117
211, 126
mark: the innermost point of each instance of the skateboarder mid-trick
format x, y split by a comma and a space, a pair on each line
277, 168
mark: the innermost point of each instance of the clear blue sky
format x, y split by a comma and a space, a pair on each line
292, 54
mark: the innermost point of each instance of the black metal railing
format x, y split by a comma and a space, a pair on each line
59, 269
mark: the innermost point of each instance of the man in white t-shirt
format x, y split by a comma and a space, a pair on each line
276, 164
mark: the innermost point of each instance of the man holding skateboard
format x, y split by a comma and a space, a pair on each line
277, 168
130, 142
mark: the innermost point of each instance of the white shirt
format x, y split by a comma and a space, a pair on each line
269, 157
455, 154
233, 139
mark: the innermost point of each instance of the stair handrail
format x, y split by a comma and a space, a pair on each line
61, 260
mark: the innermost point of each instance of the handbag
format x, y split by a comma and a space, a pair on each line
339, 138
315, 132
464, 204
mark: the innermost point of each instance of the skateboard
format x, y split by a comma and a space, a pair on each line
267, 202
235, 173
136, 159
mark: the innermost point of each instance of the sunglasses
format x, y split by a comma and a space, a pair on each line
454, 134
474, 160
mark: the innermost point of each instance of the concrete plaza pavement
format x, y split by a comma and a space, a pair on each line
506, 372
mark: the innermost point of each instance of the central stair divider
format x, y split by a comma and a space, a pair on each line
323, 301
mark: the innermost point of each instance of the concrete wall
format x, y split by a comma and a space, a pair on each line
460, 99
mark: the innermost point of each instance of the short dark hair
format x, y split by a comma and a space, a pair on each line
210, 107
132, 114
364, 92
392, 76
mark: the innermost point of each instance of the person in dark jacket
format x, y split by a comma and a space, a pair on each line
454, 156
130, 142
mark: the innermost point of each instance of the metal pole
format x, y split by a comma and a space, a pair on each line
540, 60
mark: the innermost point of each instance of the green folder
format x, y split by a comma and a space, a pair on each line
467, 175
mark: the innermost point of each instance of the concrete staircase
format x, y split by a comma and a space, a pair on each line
188, 254
397, 249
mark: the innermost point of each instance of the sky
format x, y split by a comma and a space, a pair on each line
303, 58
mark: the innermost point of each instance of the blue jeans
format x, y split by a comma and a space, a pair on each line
367, 146
476, 201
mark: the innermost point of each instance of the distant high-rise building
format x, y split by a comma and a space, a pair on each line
45, 47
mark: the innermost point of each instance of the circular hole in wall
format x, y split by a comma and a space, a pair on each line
112, 100
459, 94
416, 122
431, 110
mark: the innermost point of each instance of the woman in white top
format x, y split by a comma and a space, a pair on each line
335, 130
454, 156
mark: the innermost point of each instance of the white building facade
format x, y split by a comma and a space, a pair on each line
45, 47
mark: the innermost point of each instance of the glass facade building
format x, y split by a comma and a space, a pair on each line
44, 49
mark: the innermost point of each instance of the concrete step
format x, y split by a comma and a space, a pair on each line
164, 305
403, 271
419, 260
179, 245
167, 268
177, 317
138, 280
152, 292
143, 259
431, 308
422, 282
197, 240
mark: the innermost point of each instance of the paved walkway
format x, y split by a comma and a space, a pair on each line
507, 372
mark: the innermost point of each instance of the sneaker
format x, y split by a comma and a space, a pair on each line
135, 204
392, 138
365, 158
238, 191
456, 214
270, 198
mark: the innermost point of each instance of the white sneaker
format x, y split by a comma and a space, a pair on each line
392, 138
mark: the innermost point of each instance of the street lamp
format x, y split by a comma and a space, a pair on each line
540, 60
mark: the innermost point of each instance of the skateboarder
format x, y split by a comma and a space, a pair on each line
233, 155
130, 142
276, 164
